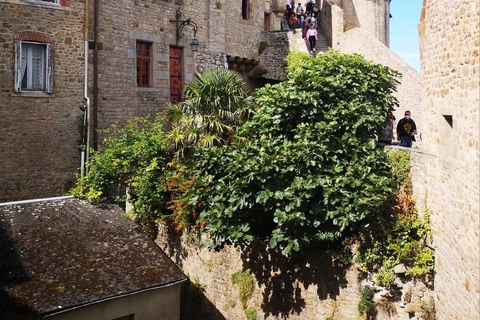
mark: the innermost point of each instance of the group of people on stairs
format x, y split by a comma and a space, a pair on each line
307, 20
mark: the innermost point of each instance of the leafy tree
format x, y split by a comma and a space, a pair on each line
134, 156
215, 105
309, 170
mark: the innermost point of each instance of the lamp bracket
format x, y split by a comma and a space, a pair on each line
181, 21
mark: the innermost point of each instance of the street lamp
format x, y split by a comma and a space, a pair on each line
180, 22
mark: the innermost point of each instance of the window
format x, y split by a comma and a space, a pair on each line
245, 8
144, 50
33, 66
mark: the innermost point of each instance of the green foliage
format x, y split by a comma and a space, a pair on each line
365, 305
244, 281
400, 164
251, 314
259, 72
309, 169
134, 156
179, 181
399, 236
262, 46
216, 103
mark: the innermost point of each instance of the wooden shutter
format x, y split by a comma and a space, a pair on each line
49, 69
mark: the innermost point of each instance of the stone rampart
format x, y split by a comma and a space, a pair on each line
449, 47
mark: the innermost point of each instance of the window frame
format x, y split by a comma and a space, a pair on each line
245, 9
140, 66
47, 68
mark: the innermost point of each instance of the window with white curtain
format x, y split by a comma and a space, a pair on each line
33, 67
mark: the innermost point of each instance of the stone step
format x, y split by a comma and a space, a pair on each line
322, 42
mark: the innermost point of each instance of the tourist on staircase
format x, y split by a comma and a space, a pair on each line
302, 20
312, 37
299, 13
309, 6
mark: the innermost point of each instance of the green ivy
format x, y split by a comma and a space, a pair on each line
366, 305
399, 236
244, 281
309, 169
251, 314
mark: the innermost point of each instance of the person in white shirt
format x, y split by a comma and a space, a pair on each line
312, 37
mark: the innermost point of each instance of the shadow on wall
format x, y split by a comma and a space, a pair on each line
199, 309
284, 278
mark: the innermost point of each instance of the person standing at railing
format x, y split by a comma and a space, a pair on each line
406, 129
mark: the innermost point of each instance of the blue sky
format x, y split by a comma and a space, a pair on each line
404, 30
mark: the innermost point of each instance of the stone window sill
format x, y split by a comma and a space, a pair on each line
35, 3
33, 94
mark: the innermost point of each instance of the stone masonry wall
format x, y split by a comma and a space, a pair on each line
314, 286
40, 133
221, 32
450, 173
370, 15
272, 58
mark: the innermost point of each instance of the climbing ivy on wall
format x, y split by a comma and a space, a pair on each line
399, 235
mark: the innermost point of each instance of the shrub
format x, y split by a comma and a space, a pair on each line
309, 169
134, 156
365, 305
244, 281
399, 236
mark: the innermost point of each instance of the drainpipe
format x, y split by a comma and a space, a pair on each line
86, 123
85, 148
95, 77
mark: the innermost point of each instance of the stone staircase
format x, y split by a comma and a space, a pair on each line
323, 43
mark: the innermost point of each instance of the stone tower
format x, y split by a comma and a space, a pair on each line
450, 171
372, 16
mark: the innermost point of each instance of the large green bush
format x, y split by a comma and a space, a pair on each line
309, 169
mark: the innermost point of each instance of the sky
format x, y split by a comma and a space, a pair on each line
404, 30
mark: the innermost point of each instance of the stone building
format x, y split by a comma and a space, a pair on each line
64, 259
41, 79
447, 176
111, 59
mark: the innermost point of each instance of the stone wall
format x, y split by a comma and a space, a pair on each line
39, 132
278, 45
450, 173
222, 33
313, 286
373, 16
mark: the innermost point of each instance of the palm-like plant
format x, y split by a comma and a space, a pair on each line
216, 104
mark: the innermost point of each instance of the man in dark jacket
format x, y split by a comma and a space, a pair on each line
406, 130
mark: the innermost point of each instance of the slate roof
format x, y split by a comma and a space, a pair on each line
59, 254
